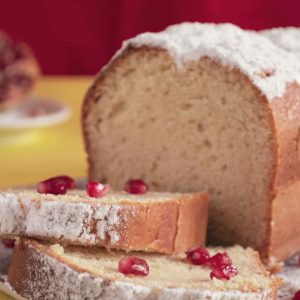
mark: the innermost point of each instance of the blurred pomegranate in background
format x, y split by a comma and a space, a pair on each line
18, 71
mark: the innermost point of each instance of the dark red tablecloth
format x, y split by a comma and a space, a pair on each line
79, 36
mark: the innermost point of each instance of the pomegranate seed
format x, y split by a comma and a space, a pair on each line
220, 263
70, 182
297, 295
224, 273
131, 265
53, 187
8, 243
96, 189
56, 185
136, 186
222, 267
197, 256
220, 260
230, 271
218, 274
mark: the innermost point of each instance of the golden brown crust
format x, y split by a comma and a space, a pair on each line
165, 227
285, 237
191, 231
286, 114
19, 265
285, 232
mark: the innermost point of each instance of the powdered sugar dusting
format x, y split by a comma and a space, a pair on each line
107, 217
287, 38
291, 277
268, 67
56, 219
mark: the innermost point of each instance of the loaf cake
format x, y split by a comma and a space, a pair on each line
205, 107
161, 222
42, 271
18, 71
287, 38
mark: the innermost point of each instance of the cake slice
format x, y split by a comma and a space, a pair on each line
159, 222
44, 271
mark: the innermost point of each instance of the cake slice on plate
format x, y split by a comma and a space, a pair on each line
45, 271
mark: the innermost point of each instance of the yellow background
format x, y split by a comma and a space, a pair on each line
51, 151
48, 151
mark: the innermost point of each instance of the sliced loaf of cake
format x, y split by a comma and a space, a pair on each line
205, 107
161, 222
43, 271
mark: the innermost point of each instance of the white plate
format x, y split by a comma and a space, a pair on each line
21, 123
34, 112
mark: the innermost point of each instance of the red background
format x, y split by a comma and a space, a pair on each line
79, 36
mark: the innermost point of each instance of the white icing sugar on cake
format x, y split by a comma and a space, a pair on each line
76, 218
269, 67
287, 38
59, 219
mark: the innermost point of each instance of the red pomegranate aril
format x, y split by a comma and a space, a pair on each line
70, 182
297, 295
220, 260
131, 265
218, 274
8, 243
136, 186
96, 189
220, 263
231, 271
56, 185
197, 256
224, 273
